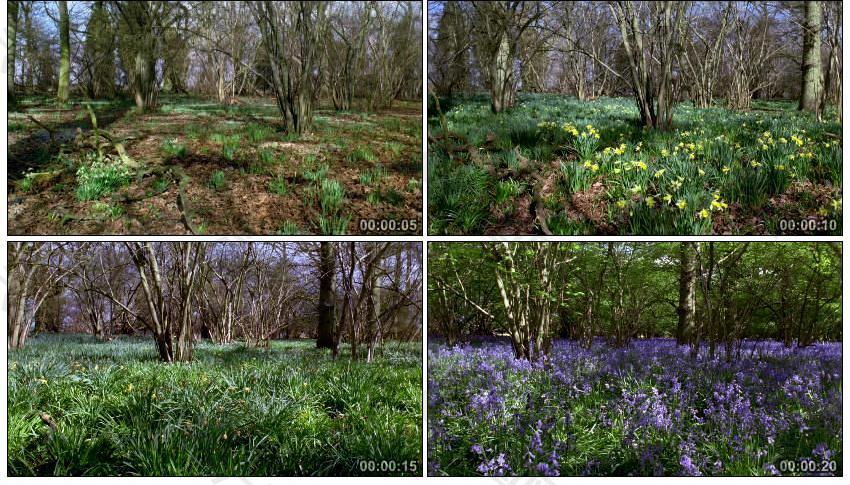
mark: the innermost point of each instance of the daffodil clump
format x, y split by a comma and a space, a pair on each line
761, 163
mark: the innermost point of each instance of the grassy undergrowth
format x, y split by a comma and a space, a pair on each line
234, 411
589, 168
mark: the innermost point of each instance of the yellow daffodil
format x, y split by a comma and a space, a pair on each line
650, 202
692, 156
681, 204
704, 214
755, 163
595, 167
664, 152
621, 203
718, 205
823, 211
668, 198
701, 172
636, 189
726, 169
660, 173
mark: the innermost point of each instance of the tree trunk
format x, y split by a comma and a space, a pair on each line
65, 53
687, 294
144, 85
11, 49
501, 77
327, 296
811, 88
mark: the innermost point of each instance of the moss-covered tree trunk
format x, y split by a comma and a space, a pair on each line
687, 293
64, 54
811, 88
502, 77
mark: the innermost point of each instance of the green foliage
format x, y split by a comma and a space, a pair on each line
258, 133
96, 178
746, 159
234, 411
318, 175
278, 186
373, 175
394, 147
361, 154
289, 228
331, 196
173, 148
110, 211
576, 177
217, 181
267, 157
374, 197
507, 190
333, 224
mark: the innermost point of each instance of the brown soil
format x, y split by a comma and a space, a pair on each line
245, 205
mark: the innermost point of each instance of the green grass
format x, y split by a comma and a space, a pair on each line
217, 180
175, 149
289, 228
257, 133
373, 175
234, 411
278, 186
362, 154
739, 172
331, 196
317, 175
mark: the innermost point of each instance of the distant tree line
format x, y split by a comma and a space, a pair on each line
362, 294
707, 295
297, 51
658, 52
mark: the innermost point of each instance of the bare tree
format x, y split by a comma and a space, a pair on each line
291, 34
497, 29
651, 35
34, 270
11, 47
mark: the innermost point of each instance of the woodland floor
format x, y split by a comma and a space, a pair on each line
233, 411
556, 165
238, 172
